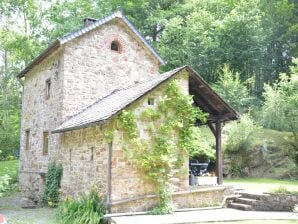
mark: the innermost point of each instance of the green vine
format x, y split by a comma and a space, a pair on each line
53, 178
170, 127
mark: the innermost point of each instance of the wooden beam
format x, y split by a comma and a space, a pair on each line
218, 153
210, 125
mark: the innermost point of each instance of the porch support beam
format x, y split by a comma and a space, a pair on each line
210, 125
218, 153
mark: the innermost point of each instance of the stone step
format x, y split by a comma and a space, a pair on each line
246, 201
239, 206
252, 196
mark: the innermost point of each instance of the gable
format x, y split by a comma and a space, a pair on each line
67, 38
110, 105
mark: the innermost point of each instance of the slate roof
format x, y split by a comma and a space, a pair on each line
111, 104
60, 41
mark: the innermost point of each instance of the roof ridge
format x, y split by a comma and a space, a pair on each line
70, 36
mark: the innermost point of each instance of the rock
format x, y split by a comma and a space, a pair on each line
27, 203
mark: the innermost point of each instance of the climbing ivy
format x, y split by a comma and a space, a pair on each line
51, 191
170, 129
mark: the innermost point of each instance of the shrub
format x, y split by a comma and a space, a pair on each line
238, 134
281, 102
284, 190
4, 183
86, 209
165, 205
53, 177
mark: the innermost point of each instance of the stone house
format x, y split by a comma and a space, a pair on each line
73, 92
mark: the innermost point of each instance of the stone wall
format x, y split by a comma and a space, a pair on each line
81, 173
93, 70
81, 72
276, 202
204, 197
38, 115
84, 156
127, 180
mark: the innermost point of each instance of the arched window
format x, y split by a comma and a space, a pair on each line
115, 46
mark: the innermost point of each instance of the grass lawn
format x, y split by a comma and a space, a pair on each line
262, 184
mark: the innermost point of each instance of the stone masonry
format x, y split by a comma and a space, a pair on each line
80, 72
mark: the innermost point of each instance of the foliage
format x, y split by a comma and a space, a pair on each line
280, 111
53, 178
11, 168
8, 176
284, 190
171, 138
164, 206
247, 35
4, 183
202, 148
233, 90
85, 209
238, 134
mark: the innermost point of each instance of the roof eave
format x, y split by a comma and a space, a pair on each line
233, 112
48, 51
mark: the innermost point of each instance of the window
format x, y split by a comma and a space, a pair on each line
45, 143
27, 140
48, 88
115, 46
150, 101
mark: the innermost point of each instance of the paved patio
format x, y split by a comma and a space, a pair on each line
224, 214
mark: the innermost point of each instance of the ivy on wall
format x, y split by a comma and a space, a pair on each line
170, 127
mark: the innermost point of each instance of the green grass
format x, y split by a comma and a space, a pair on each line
262, 184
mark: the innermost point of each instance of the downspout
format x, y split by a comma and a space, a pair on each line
109, 190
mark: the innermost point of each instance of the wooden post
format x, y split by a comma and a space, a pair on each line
218, 153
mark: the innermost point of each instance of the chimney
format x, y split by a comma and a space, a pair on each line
89, 21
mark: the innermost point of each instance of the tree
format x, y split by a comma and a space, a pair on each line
280, 109
233, 90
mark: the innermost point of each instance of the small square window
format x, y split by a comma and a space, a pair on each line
27, 140
48, 89
150, 101
45, 143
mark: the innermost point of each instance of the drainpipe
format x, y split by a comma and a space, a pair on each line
109, 190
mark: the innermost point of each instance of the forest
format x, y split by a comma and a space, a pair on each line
245, 49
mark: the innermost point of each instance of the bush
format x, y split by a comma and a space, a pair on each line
4, 183
53, 177
86, 209
238, 134
8, 142
165, 205
279, 111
